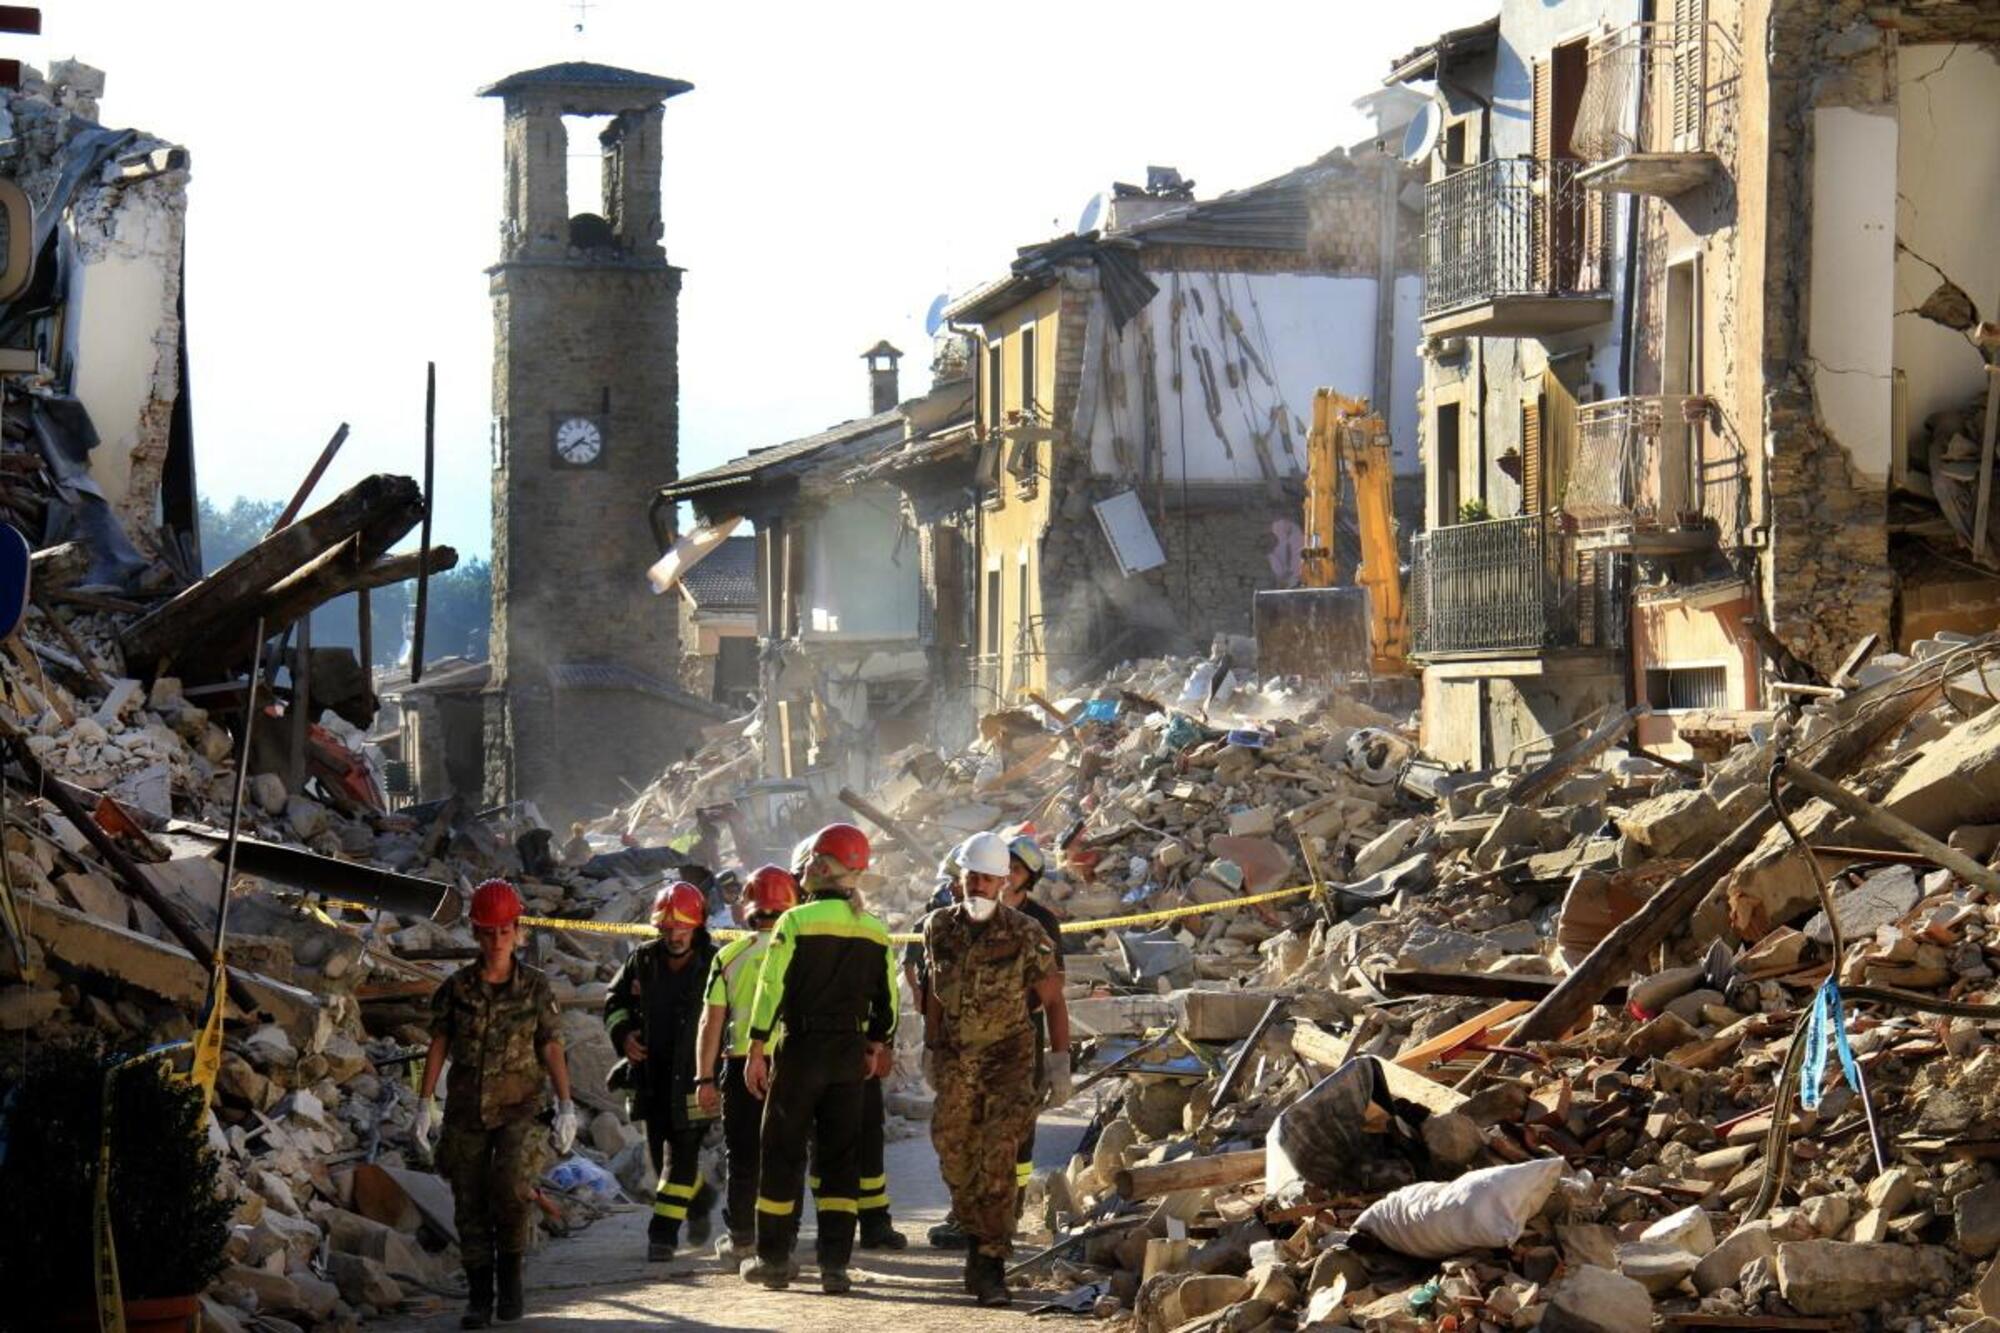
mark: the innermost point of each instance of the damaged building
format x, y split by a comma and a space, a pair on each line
842, 675
92, 343
1701, 376
1143, 388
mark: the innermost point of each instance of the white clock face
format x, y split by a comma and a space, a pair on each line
579, 441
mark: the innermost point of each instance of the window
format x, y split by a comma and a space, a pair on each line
1676, 689
1445, 465
1026, 635
1027, 341
992, 612
993, 399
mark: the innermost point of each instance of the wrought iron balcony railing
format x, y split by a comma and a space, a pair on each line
1513, 227
1514, 584
1635, 463
1648, 122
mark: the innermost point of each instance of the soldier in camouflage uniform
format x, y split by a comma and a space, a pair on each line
495, 1019
979, 1042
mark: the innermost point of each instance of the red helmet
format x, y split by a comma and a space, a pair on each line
771, 890
844, 843
494, 903
679, 904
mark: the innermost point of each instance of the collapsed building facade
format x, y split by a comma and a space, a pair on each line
1702, 358
1143, 388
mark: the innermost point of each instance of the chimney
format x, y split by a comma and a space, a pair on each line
882, 394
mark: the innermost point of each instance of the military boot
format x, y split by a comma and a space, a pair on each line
773, 1276
512, 1302
834, 1281
478, 1298
947, 1236
991, 1288
972, 1272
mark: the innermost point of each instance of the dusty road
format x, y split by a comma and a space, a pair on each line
597, 1281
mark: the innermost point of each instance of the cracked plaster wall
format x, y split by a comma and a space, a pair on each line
1947, 177
1826, 577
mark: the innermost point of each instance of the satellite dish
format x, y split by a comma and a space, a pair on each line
1092, 211
934, 317
1421, 137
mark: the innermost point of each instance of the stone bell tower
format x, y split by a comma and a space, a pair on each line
585, 428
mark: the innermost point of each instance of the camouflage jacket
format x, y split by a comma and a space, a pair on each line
981, 972
495, 1035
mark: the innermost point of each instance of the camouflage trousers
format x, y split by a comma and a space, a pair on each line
492, 1177
986, 1105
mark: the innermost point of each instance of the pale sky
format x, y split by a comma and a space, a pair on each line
835, 168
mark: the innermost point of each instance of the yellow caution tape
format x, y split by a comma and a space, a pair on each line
208, 1042
644, 930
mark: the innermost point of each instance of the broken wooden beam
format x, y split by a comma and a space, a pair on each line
1477, 985
229, 598
861, 805
1538, 782
1879, 821
1188, 1173
1622, 952
402, 568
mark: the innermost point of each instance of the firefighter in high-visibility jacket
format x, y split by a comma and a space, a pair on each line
830, 977
724, 1050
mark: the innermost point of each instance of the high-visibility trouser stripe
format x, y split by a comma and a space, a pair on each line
874, 1192
812, 1183
676, 1212
1023, 1172
777, 1207
868, 1202
670, 1200
827, 1205
674, 1189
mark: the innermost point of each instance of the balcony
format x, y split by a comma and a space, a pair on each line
1648, 122
1636, 486
1514, 585
1516, 248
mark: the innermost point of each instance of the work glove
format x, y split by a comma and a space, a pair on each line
1060, 1087
565, 1127
427, 1114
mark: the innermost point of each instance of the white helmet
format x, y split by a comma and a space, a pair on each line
984, 853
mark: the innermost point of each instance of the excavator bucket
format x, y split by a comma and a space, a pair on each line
1317, 634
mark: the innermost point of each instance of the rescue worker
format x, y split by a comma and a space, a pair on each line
495, 1020
1025, 863
829, 975
979, 1045
653, 1015
725, 1027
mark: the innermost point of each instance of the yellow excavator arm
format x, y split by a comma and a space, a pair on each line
1346, 434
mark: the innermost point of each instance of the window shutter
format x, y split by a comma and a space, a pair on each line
1542, 210
1690, 73
1533, 465
1559, 434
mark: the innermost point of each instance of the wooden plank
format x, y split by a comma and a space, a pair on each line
1985, 499
1538, 782
1444, 1044
1891, 826
313, 474
1202, 1172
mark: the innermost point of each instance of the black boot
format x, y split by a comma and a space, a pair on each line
511, 1300
946, 1235
992, 1282
972, 1272
878, 1232
478, 1298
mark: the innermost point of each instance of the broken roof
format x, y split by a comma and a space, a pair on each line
613, 676
1422, 63
726, 578
791, 459
1271, 215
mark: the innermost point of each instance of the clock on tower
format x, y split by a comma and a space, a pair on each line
578, 440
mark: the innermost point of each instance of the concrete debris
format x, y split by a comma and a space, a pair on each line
1657, 1109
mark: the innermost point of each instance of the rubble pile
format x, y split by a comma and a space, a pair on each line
1326, 1120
